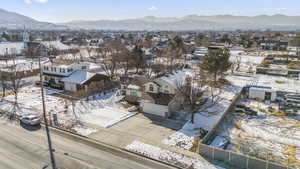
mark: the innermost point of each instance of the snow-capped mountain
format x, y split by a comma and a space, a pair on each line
194, 22
13, 20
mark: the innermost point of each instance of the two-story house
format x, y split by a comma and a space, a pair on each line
53, 73
157, 96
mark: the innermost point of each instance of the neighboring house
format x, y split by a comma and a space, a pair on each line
200, 52
84, 80
53, 73
262, 93
274, 45
133, 88
160, 92
293, 50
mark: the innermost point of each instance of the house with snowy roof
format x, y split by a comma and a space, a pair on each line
54, 72
83, 80
72, 77
160, 97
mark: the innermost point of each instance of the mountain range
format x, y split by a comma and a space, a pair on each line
13, 20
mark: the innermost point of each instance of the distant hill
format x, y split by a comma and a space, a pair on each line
13, 20
194, 22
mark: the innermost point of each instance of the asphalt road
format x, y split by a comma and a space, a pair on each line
26, 148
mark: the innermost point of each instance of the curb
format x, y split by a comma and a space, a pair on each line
112, 149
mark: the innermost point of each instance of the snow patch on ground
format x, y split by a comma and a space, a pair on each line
84, 131
168, 156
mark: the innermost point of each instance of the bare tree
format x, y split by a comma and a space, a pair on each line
15, 80
193, 97
110, 57
174, 50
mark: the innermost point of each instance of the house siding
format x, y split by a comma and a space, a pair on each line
155, 109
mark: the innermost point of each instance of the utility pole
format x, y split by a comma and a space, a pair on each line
52, 158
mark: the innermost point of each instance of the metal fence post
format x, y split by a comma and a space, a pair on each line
247, 162
213, 153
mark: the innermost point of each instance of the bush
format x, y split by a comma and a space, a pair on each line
294, 65
280, 81
265, 64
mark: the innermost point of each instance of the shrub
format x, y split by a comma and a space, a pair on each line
294, 65
265, 63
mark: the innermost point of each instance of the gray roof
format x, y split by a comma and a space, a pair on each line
79, 77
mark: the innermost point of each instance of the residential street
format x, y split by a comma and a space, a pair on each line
22, 148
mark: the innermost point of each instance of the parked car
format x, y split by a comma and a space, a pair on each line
220, 142
31, 119
241, 106
239, 110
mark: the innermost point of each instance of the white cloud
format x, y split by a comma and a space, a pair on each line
153, 8
37, 1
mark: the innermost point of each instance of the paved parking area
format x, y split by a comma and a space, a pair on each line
146, 128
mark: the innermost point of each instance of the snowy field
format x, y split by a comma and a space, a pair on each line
22, 64
168, 156
247, 62
102, 110
11, 47
276, 82
267, 136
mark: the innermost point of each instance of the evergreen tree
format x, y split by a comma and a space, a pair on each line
216, 63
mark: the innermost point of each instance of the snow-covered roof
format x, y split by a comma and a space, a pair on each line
9, 46
134, 87
56, 44
176, 78
79, 77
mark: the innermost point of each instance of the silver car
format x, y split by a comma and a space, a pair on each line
31, 119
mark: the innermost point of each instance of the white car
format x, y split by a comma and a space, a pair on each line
31, 119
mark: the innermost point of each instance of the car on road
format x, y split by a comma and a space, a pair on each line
31, 119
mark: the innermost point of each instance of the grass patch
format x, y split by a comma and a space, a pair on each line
280, 81
238, 124
280, 113
126, 106
297, 125
294, 65
291, 161
195, 145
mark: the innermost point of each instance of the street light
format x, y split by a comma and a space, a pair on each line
52, 158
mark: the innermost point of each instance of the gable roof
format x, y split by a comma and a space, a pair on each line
79, 77
173, 79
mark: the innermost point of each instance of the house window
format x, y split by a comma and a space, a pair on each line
55, 69
63, 70
133, 93
70, 70
167, 91
151, 88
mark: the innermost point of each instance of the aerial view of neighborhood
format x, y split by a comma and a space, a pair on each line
160, 84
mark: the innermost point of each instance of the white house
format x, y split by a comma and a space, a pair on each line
53, 73
160, 92
293, 50
262, 93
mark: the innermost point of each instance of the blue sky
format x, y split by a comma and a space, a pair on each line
67, 10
